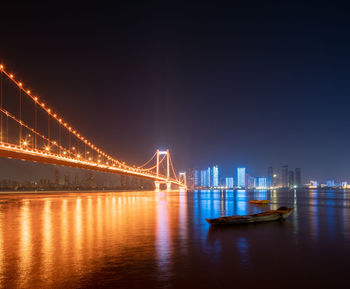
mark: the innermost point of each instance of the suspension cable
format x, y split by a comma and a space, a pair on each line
151, 168
172, 167
146, 163
28, 127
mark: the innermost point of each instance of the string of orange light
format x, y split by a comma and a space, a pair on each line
60, 119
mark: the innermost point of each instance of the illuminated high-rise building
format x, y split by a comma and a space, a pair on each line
190, 178
204, 178
229, 182
260, 182
330, 183
241, 177
209, 177
215, 172
251, 182
197, 180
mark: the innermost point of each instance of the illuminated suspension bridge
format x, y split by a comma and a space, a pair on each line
32, 131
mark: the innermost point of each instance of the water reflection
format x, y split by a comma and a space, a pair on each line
24, 264
242, 246
163, 236
107, 240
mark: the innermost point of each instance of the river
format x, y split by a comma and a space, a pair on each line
161, 240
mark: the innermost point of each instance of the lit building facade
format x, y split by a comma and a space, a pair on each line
197, 180
229, 182
262, 182
330, 183
209, 177
216, 176
251, 181
203, 178
190, 178
241, 177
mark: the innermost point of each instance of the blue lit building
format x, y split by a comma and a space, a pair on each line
196, 176
241, 176
261, 182
204, 178
330, 183
215, 171
251, 182
209, 177
229, 182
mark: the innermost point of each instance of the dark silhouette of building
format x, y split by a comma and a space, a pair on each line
76, 179
298, 182
191, 178
284, 173
66, 180
291, 179
269, 176
124, 181
57, 178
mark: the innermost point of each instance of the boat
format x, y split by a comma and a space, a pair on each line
267, 216
259, 202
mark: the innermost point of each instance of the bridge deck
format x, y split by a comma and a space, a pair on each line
16, 152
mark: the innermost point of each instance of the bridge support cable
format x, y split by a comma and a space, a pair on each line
146, 163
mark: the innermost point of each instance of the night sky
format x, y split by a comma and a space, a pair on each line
251, 83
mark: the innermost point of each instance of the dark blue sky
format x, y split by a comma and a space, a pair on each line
249, 83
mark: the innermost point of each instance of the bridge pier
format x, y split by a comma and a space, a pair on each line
157, 185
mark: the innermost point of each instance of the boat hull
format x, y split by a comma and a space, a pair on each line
267, 216
259, 202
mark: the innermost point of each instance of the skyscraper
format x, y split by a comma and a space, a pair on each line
229, 182
190, 178
269, 176
197, 181
204, 178
215, 171
285, 177
291, 179
297, 180
261, 182
241, 177
251, 182
209, 177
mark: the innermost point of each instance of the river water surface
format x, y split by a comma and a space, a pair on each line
161, 240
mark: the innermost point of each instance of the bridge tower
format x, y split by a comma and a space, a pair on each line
168, 183
182, 178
